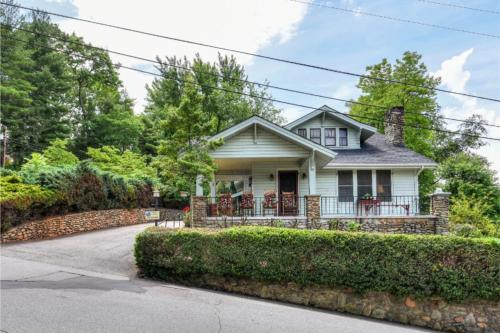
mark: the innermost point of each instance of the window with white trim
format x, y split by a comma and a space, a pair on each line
343, 137
330, 137
345, 186
302, 132
384, 186
315, 135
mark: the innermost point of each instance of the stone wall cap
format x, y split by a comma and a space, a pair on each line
443, 194
312, 195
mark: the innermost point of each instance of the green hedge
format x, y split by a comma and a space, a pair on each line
454, 268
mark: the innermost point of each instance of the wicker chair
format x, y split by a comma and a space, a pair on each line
247, 204
288, 203
225, 204
270, 203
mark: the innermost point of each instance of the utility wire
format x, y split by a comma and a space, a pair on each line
449, 4
293, 62
260, 84
393, 18
276, 100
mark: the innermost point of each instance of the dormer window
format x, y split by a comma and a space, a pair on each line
343, 137
330, 137
302, 132
315, 135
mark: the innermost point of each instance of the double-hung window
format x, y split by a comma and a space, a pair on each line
364, 184
345, 186
302, 132
315, 135
384, 188
330, 137
342, 136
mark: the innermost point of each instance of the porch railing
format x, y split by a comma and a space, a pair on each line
258, 207
374, 206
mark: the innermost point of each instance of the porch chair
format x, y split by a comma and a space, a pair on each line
289, 203
247, 204
269, 203
225, 204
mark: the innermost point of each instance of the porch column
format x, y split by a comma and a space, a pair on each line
212, 190
440, 203
199, 185
311, 170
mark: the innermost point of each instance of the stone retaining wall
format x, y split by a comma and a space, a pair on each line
435, 313
73, 223
389, 224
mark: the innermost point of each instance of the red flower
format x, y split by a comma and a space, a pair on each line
186, 209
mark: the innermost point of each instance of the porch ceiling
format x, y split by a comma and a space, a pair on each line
232, 164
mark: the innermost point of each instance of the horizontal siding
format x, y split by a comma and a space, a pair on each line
404, 182
267, 145
326, 183
316, 122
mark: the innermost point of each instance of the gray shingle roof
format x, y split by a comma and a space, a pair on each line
376, 151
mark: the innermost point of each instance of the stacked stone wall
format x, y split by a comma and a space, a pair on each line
56, 226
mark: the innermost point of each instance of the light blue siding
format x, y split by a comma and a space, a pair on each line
266, 145
353, 134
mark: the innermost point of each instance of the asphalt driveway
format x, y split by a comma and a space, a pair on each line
87, 283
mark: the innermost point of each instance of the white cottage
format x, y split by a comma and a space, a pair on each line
353, 169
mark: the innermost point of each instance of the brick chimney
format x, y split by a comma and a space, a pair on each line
394, 121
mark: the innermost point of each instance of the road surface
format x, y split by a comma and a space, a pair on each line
87, 283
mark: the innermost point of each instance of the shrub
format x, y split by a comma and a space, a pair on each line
454, 268
471, 211
16, 199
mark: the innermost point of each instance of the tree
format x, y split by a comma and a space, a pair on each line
421, 108
469, 175
225, 97
184, 154
127, 164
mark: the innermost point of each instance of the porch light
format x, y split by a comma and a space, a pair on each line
271, 176
304, 175
156, 193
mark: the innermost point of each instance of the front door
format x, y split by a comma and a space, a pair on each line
287, 182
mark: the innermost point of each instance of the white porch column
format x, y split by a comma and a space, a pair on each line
199, 185
312, 173
213, 190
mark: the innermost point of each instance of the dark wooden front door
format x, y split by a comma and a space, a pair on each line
287, 182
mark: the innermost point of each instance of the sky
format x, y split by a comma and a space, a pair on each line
468, 63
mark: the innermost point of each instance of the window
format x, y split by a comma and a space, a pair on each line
345, 186
315, 135
330, 137
302, 132
384, 189
343, 136
364, 183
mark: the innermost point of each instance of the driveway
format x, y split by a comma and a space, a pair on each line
87, 283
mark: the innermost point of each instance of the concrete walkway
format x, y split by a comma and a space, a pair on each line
87, 283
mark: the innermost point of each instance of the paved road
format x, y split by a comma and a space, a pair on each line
87, 283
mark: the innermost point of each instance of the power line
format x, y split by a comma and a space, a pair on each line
448, 4
393, 18
240, 80
293, 62
277, 100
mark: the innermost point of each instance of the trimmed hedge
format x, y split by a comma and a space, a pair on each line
453, 268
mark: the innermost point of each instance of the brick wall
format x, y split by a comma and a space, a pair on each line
73, 223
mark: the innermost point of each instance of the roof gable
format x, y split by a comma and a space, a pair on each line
323, 152
366, 130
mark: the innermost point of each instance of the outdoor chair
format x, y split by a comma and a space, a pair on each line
269, 203
289, 203
225, 205
247, 204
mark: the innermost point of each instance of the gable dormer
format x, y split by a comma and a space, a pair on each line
332, 129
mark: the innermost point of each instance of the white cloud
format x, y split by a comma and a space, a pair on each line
454, 77
291, 114
244, 25
346, 91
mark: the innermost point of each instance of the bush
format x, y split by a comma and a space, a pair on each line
19, 201
454, 268
471, 211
